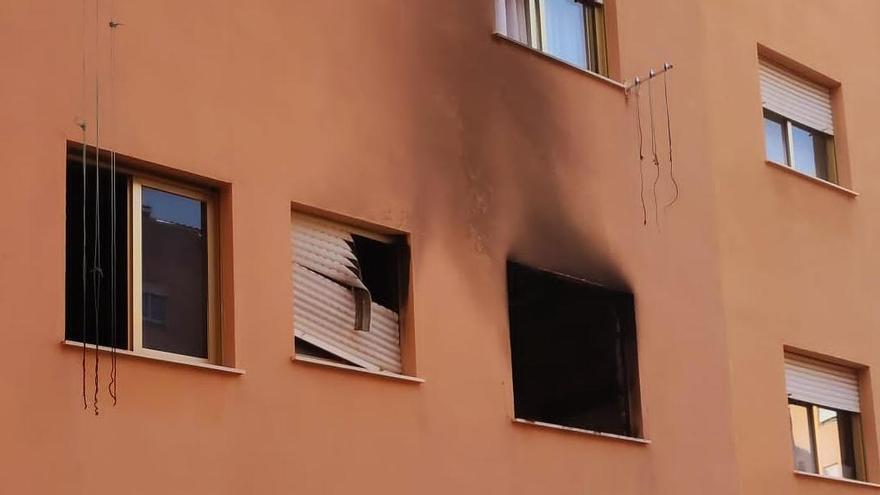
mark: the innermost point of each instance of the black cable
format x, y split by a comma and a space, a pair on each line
641, 155
669, 137
654, 149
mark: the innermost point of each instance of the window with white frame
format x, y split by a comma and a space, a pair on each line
798, 122
348, 285
571, 30
824, 410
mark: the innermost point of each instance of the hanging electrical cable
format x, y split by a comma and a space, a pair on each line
82, 125
97, 273
669, 138
111, 386
641, 155
656, 158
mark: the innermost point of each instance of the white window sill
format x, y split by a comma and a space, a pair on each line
836, 480
612, 436
815, 180
330, 364
606, 80
163, 357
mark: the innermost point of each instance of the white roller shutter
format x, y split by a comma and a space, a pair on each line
821, 383
329, 298
793, 97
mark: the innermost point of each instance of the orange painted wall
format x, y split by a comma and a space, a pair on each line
412, 115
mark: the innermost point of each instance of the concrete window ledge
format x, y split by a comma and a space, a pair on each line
815, 180
599, 77
330, 364
832, 479
182, 361
611, 436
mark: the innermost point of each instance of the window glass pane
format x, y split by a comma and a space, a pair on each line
565, 27
774, 136
810, 154
802, 446
175, 267
828, 442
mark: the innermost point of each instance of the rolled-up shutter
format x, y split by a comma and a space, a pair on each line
328, 299
793, 97
821, 383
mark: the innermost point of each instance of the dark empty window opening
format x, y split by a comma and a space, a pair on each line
573, 350
81, 288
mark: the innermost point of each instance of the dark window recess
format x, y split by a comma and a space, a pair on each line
81, 303
379, 263
573, 347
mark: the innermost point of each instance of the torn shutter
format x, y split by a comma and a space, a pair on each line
793, 97
331, 302
824, 384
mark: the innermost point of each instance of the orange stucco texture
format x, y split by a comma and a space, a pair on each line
412, 115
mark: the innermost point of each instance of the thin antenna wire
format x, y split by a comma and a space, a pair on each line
654, 148
111, 387
669, 137
641, 155
82, 125
96, 269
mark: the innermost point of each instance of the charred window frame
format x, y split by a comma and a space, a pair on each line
166, 302
573, 352
350, 289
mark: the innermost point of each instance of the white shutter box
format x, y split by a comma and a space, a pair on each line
796, 98
824, 384
330, 300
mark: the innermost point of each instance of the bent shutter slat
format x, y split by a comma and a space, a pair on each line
821, 383
326, 305
793, 97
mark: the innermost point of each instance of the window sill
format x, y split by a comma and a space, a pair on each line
612, 436
815, 180
569, 65
330, 364
837, 480
165, 358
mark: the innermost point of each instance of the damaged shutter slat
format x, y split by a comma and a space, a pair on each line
331, 301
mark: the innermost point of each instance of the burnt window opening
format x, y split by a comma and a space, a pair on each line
573, 351
79, 298
348, 286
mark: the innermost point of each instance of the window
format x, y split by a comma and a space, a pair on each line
348, 285
571, 30
798, 122
823, 404
154, 289
573, 351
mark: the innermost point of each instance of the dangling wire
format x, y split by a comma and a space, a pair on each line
669, 137
641, 155
111, 386
654, 148
82, 125
97, 273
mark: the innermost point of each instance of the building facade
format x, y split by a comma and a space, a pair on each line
447, 140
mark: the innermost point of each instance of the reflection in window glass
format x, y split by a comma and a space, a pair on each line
774, 136
175, 257
828, 442
802, 444
566, 31
804, 153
